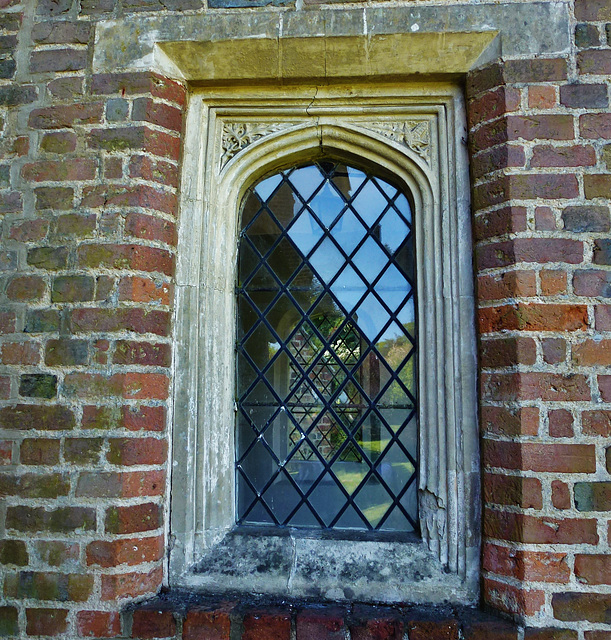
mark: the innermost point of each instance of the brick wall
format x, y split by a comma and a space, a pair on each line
88, 203
540, 139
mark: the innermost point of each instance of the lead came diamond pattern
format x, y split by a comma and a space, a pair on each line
326, 386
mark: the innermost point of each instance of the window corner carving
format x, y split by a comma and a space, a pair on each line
238, 135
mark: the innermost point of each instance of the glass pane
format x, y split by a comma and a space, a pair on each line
326, 378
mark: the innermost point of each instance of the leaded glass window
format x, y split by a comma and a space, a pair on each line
327, 433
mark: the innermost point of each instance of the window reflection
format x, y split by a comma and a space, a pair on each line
327, 428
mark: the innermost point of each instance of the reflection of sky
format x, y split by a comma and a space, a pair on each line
348, 232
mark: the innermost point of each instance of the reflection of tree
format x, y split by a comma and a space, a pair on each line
394, 351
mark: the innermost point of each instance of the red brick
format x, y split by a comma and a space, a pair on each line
59, 171
604, 386
549, 185
510, 422
151, 623
595, 125
58, 142
484, 79
7, 322
593, 569
108, 320
75, 225
141, 195
66, 116
138, 225
555, 458
133, 519
135, 451
510, 284
553, 282
98, 624
209, 624
533, 317
545, 220
25, 288
570, 606
320, 624
139, 289
500, 222
142, 353
490, 628
542, 96
513, 600
499, 157
163, 115
539, 250
534, 70
547, 127
144, 418
594, 62
592, 282
20, 353
124, 485
64, 32
131, 551
29, 230
592, 353
561, 496
592, 10
560, 423
530, 566
597, 185
154, 170
507, 351
597, 635
549, 387
267, 624
6, 452
41, 417
596, 423
432, 630
131, 585
58, 60
512, 490
46, 622
517, 527
554, 350
573, 156
126, 256
39, 451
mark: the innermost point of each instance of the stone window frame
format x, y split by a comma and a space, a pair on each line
234, 137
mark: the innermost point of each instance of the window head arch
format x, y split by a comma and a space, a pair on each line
326, 377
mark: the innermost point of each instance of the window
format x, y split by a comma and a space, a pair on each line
327, 416
247, 147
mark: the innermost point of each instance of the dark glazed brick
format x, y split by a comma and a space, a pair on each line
47, 622
11, 96
58, 60
9, 622
72, 289
7, 68
61, 520
66, 352
32, 416
535, 70
151, 623
320, 624
42, 321
53, 7
61, 32
589, 96
602, 251
38, 385
592, 10
586, 35
13, 552
581, 219
593, 496
209, 624
594, 607
51, 258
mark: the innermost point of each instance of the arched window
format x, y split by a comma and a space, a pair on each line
328, 214
326, 378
